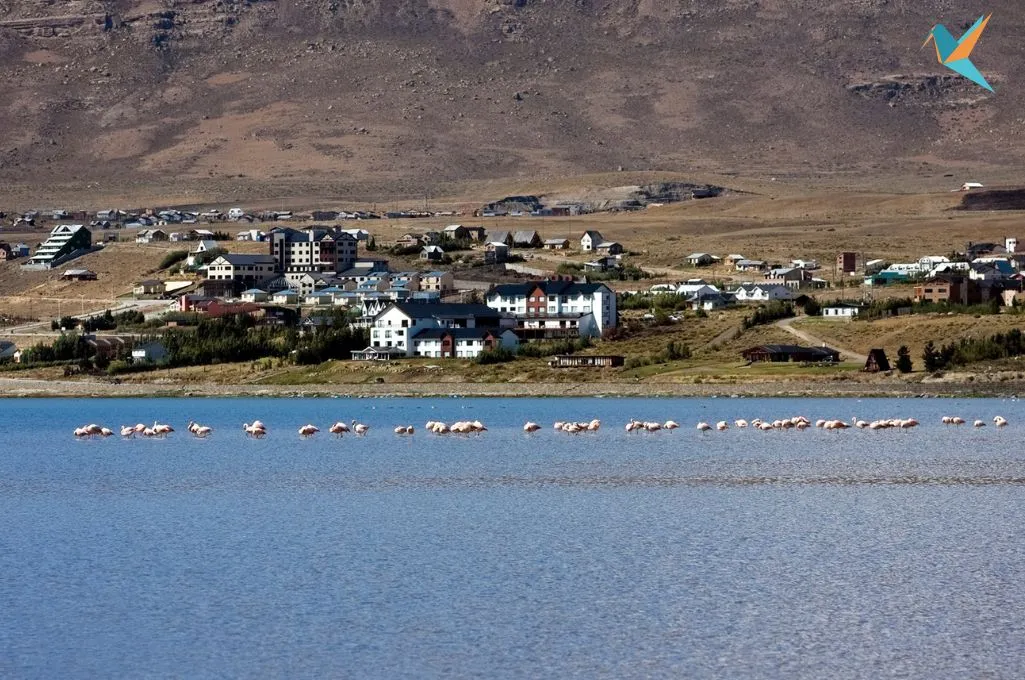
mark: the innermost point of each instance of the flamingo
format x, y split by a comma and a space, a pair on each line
999, 421
721, 425
740, 423
161, 429
81, 432
308, 430
139, 427
670, 425
703, 427
631, 426
947, 420
477, 427
127, 432
593, 425
529, 427
254, 431
106, 431
764, 427
404, 429
979, 423
338, 429
202, 431
957, 420
360, 428
93, 428
860, 424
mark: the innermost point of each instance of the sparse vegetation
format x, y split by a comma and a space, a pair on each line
173, 258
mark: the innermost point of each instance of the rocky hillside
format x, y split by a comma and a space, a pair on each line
407, 96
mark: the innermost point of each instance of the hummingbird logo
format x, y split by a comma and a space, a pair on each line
954, 53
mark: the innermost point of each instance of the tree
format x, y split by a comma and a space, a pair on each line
371, 244
812, 307
904, 359
931, 357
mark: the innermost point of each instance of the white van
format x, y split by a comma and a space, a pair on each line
236, 214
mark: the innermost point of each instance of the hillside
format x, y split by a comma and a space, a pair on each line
378, 100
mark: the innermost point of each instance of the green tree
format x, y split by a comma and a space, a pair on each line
904, 359
931, 357
812, 307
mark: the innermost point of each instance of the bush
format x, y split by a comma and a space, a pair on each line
173, 258
812, 307
498, 355
766, 314
677, 350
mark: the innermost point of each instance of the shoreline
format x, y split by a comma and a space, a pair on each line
29, 387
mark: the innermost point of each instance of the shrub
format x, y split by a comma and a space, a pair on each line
173, 258
904, 359
677, 350
498, 355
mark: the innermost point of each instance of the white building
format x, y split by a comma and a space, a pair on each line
841, 310
759, 292
590, 240
461, 343
251, 270
552, 308
399, 323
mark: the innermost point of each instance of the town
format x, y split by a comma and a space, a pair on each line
464, 291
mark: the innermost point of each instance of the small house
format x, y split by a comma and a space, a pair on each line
556, 244
841, 310
876, 362
495, 252
432, 253
750, 265
701, 259
148, 287
78, 275
790, 353
151, 236
527, 238
590, 240
586, 361
254, 295
609, 248
285, 297
505, 237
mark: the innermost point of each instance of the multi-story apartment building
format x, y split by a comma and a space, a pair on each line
312, 250
545, 309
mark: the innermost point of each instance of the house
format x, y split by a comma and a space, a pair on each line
750, 265
151, 236
149, 352
710, 301
785, 353
439, 282
250, 235
400, 322
810, 265
318, 299
19, 250
993, 270
456, 232
78, 275
527, 238
875, 266
791, 277
841, 310
195, 255
701, 259
432, 253
556, 244
5, 251
461, 343
688, 288
968, 186
148, 287
66, 242
495, 252
847, 262
590, 240
734, 258
876, 362
409, 241
249, 270
602, 264
200, 235
254, 295
316, 249
547, 309
7, 350
107, 346
609, 248
945, 289
586, 361
505, 237
886, 278
285, 297
761, 292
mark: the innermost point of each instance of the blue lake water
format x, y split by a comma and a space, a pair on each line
735, 554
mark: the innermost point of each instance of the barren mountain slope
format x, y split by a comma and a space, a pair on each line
400, 97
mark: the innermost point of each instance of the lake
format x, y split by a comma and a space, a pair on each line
736, 554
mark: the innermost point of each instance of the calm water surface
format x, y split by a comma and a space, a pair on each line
737, 555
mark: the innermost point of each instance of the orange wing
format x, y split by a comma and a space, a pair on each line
968, 40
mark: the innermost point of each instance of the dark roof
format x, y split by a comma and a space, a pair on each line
425, 310
236, 259
792, 349
457, 333
548, 287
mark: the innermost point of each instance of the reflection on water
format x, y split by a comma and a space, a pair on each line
726, 554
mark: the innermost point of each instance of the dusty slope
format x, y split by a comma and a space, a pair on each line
377, 99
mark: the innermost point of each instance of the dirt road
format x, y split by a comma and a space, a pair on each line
847, 355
